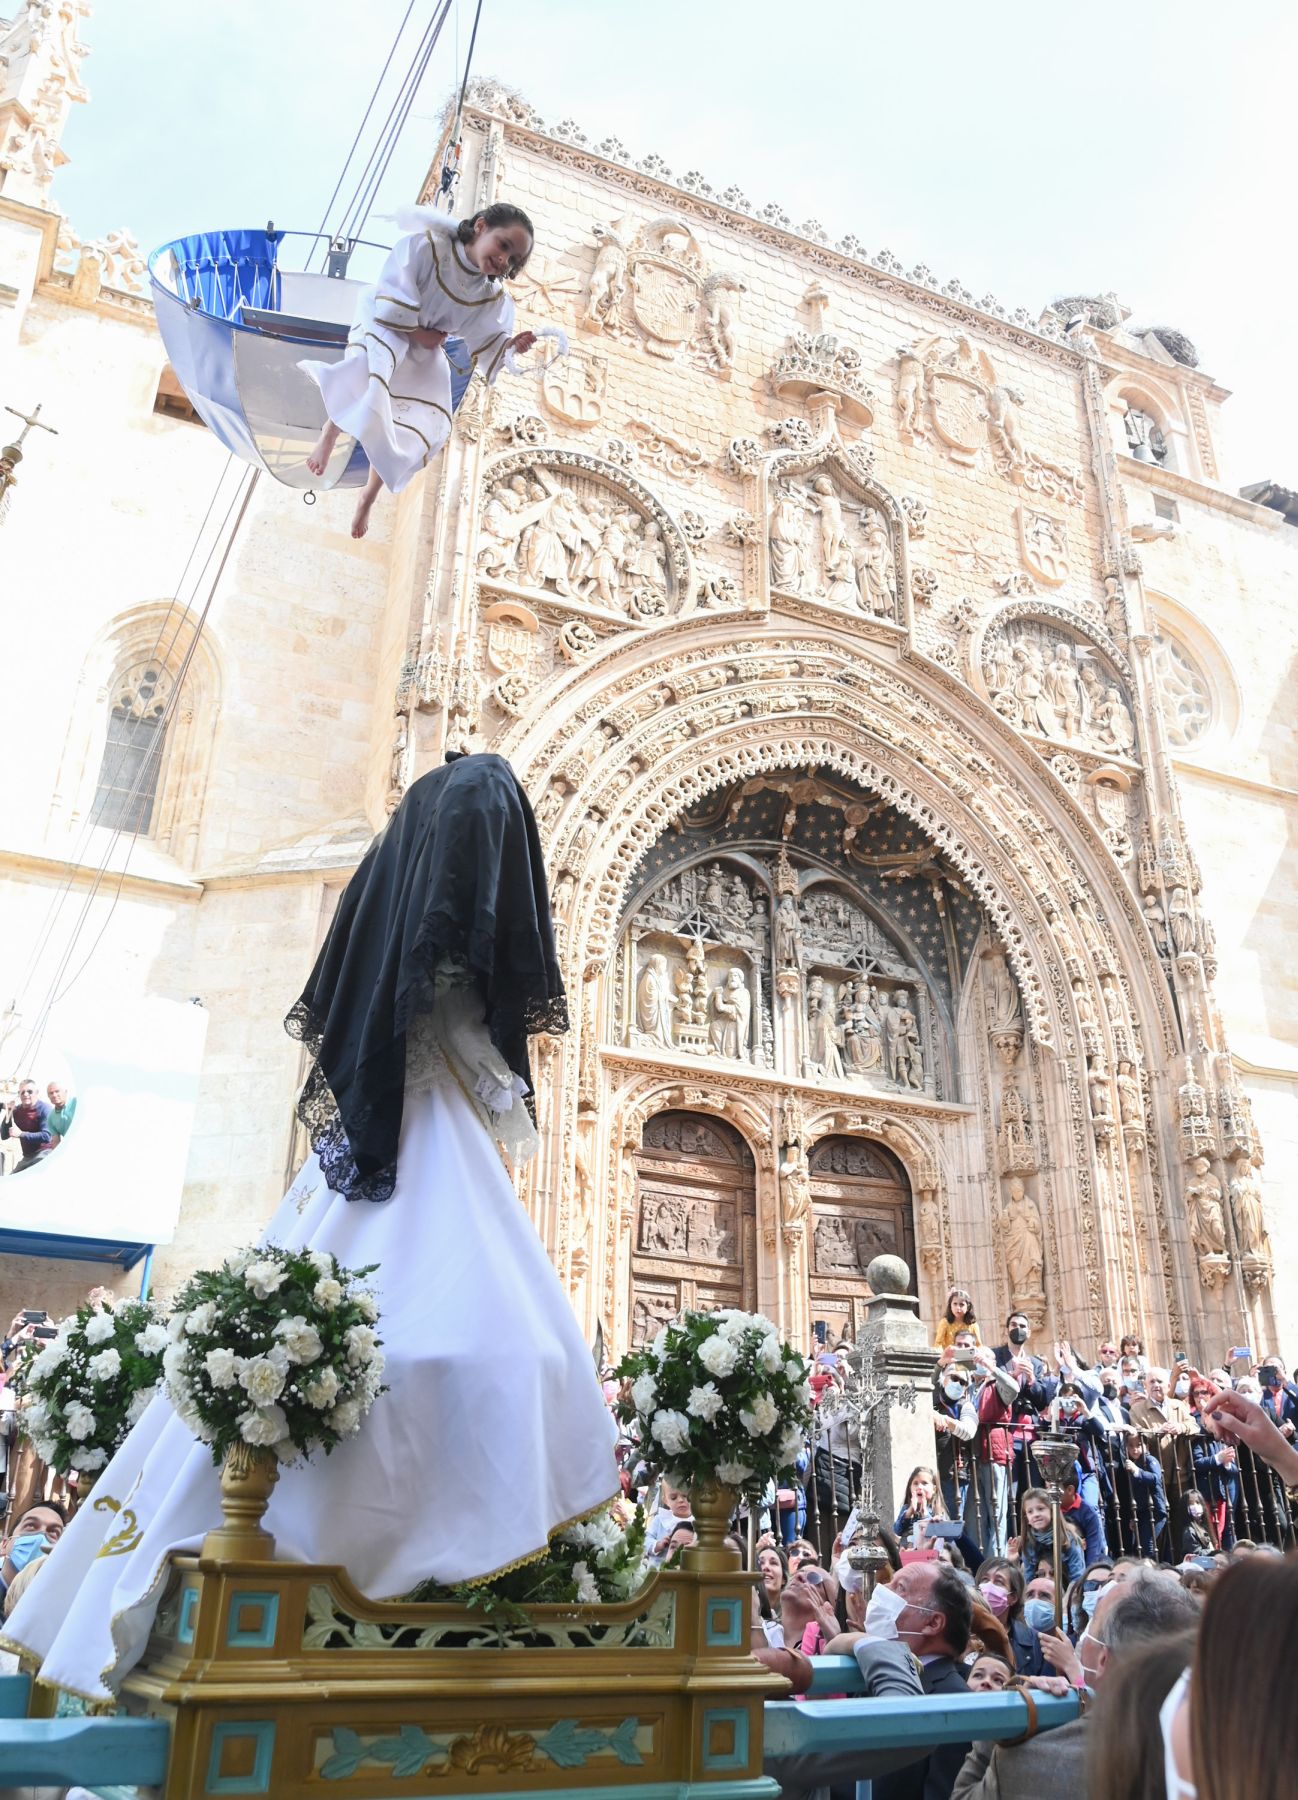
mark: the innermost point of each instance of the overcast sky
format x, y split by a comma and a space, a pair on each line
1027, 149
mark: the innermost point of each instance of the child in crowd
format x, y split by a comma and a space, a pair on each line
392, 389
959, 1316
1037, 1539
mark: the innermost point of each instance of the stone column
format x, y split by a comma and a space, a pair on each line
898, 1361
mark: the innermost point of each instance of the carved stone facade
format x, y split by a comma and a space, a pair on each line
886, 854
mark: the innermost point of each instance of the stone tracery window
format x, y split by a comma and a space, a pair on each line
1183, 690
127, 788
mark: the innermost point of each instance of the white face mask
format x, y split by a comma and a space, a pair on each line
1181, 1389
882, 1613
1178, 1788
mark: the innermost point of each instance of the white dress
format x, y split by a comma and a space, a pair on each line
494, 1432
389, 393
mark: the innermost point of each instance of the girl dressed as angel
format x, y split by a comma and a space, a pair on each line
392, 389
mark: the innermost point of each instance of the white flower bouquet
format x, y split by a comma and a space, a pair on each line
277, 1349
718, 1397
88, 1385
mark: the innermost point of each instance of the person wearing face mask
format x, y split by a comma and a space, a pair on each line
1194, 1531
1084, 1595
956, 1423
1149, 1495
928, 1608
37, 1530
1158, 1411
1125, 1759
1036, 1390
1053, 1765
1070, 1413
1279, 1400
1001, 1585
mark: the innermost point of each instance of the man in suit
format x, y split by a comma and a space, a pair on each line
934, 1624
1151, 1608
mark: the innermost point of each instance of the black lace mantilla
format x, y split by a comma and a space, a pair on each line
456, 876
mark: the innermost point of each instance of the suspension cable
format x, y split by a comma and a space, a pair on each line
398, 113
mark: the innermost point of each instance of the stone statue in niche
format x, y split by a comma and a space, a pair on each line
824, 1037
860, 1027
788, 543
1246, 1204
874, 568
845, 559
1180, 921
1204, 1210
1023, 1241
1127, 1082
655, 1004
730, 1009
787, 929
903, 1059
1004, 1009
1113, 727
795, 1194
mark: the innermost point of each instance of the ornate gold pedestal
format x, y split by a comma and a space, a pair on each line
281, 1679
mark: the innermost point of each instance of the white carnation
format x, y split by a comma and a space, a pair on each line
176, 1327
265, 1278
770, 1355
761, 1417
222, 1367
47, 1362
659, 1345
795, 1368
792, 1444
140, 1403
106, 1365
705, 1402
366, 1305
100, 1326
262, 1382
672, 1429
327, 1293
89, 1460
151, 1340
587, 1586
264, 1425
718, 1355
345, 1418
644, 1391
733, 1473
361, 1342
35, 1419
201, 1320
174, 1359
302, 1342
320, 1261
322, 1389
78, 1421
372, 1375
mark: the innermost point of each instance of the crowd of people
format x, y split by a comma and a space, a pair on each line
31, 1128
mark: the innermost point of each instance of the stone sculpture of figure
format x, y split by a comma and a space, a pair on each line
1114, 726
1064, 691
834, 1247
1156, 919
608, 277
833, 538
730, 1008
648, 561
788, 544
1029, 689
1085, 1005
871, 562
1005, 1010
862, 1047
499, 532
1181, 922
607, 564
1022, 1241
1092, 698
654, 1002
795, 1192
1203, 1210
1101, 1098
1002, 423
1246, 1204
1128, 1086
910, 393
719, 317
788, 934
910, 1056
824, 1039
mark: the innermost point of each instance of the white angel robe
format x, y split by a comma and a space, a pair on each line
389, 393
493, 1434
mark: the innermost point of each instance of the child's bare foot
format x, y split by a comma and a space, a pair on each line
323, 449
361, 517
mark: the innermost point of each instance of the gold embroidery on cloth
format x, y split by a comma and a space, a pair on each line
493, 292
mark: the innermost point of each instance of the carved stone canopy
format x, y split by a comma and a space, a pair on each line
1056, 682
833, 534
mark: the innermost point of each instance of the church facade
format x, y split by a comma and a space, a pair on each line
905, 703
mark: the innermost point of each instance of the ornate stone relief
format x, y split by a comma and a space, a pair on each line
650, 284
678, 460
955, 396
1250, 1225
710, 947
821, 546
1050, 682
574, 386
1021, 1237
583, 534
821, 362
1043, 545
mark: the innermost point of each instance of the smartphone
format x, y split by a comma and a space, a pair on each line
35, 1318
821, 1330
943, 1528
965, 1358
1181, 1357
45, 1331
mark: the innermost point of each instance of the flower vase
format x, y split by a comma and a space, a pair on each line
713, 1505
248, 1474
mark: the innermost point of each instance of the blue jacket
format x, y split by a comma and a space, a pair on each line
1037, 1551
1085, 1519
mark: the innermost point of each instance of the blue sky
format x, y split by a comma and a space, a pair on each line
1027, 149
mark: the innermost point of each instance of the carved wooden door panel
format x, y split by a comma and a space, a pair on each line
861, 1209
695, 1224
